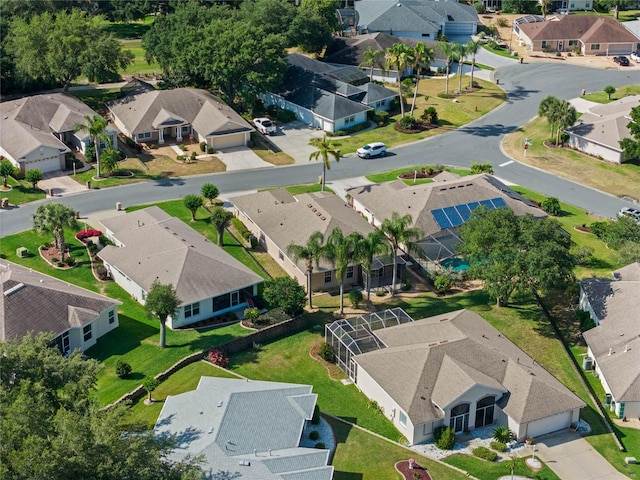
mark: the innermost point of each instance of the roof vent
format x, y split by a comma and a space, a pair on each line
626, 348
610, 351
14, 289
324, 218
220, 403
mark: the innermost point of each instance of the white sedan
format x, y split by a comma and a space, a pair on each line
264, 126
372, 150
635, 57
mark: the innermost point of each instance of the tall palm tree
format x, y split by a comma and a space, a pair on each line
399, 56
340, 250
448, 51
53, 218
544, 7
460, 53
548, 108
472, 49
367, 248
96, 126
370, 58
309, 252
399, 231
326, 149
567, 116
422, 57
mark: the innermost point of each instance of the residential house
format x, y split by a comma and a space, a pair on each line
34, 302
457, 371
437, 208
328, 97
614, 343
38, 132
598, 132
581, 34
277, 219
425, 19
159, 116
252, 428
151, 245
555, 6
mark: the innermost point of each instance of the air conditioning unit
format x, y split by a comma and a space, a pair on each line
587, 363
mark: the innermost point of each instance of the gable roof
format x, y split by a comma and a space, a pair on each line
587, 28
33, 301
286, 219
615, 342
170, 251
441, 357
147, 111
30, 123
254, 424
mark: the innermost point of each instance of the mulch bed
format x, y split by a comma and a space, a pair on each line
52, 252
422, 173
410, 474
213, 321
420, 127
580, 228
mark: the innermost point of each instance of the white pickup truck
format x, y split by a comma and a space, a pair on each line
265, 126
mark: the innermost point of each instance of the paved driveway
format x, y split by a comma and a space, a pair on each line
241, 158
60, 184
293, 139
571, 457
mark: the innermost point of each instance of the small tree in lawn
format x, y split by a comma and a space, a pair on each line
220, 219
193, 202
609, 90
33, 177
53, 218
551, 205
150, 384
284, 292
6, 169
210, 192
162, 302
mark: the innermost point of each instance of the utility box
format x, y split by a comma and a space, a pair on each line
587, 363
22, 252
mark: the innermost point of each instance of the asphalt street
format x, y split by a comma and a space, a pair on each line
479, 141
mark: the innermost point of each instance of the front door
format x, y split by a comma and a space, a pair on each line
560, 46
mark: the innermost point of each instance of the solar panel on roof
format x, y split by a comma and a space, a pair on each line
473, 205
454, 216
499, 202
487, 203
458, 214
464, 211
440, 217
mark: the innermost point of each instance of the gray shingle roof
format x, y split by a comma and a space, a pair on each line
172, 252
615, 343
43, 303
376, 93
443, 356
227, 420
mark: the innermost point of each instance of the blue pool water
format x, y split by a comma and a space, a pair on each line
457, 264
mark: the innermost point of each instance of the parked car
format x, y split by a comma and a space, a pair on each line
630, 212
265, 126
635, 57
372, 150
621, 60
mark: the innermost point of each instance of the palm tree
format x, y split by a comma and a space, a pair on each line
53, 218
544, 7
326, 149
340, 250
548, 108
370, 58
96, 126
110, 159
472, 48
567, 116
448, 51
399, 56
220, 219
309, 252
422, 57
366, 250
461, 53
398, 231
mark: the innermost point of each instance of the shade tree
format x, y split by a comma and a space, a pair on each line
33, 176
162, 302
631, 146
220, 219
210, 192
193, 202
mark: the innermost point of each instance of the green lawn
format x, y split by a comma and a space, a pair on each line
621, 92
21, 192
130, 30
499, 51
491, 470
391, 175
139, 65
97, 97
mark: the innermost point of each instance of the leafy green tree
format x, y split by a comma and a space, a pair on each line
162, 302
566, 116
481, 168
548, 109
399, 57
311, 31
442, 283
53, 427
519, 6
284, 292
448, 50
629, 252
631, 146
32, 176
370, 58
340, 250
472, 49
63, 46
150, 384
551, 205
609, 90
366, 250
6, 170
355, 297
109, 160
210, 192
326, 9
325, 149
399, 232
193, 202
96, 127
422, 58
220, 219
53, 218
309, 252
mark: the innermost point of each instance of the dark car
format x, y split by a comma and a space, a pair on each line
622, 61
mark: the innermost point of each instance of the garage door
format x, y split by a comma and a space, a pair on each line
548, 425
50, 164
458, 29
228, 141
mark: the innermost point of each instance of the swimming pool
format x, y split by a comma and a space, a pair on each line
457, 264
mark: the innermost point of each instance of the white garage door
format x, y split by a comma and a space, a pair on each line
44, 164
549, 424
228, 141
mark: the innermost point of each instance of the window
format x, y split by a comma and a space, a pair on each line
573, 6
112, 316
403, 419
350, 119
235, 298
144, 135
186, 129
192, 310
350, 271
573, 43
459, 420
595, 46
587, 6
280, 255
86, 333
484, 411
380, 103
327, 276
63, 343
544, 44
426, 34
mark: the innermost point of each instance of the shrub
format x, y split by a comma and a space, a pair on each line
219, 358
502, 434
503, 22
209, 150
123, 369
481, 168
93, 249
407, 123
445, 437
89, 243
286, 293
599, 229
241, 228
286, 116
203, 146
251, 314
442, 283
319, 445
90, 154
498, 446
192, 156
181, 158
430, 115
70, 261
251, 143
446, 96
60, 264
103, 240
551, 205
406, 286
55, 260
355, 297
585, 320
314, 435
102, 272
373, 405
381, 117
326, 352
84, 234
485, 453
183, 147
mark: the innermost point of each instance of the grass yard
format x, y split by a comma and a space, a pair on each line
621, 92
139, 65
21, 192
267, 151
392, 175
612, 178
491, 470
97, 97
130, 30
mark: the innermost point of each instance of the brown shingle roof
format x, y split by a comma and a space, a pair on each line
588, 28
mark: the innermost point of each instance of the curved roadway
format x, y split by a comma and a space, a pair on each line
525, 84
